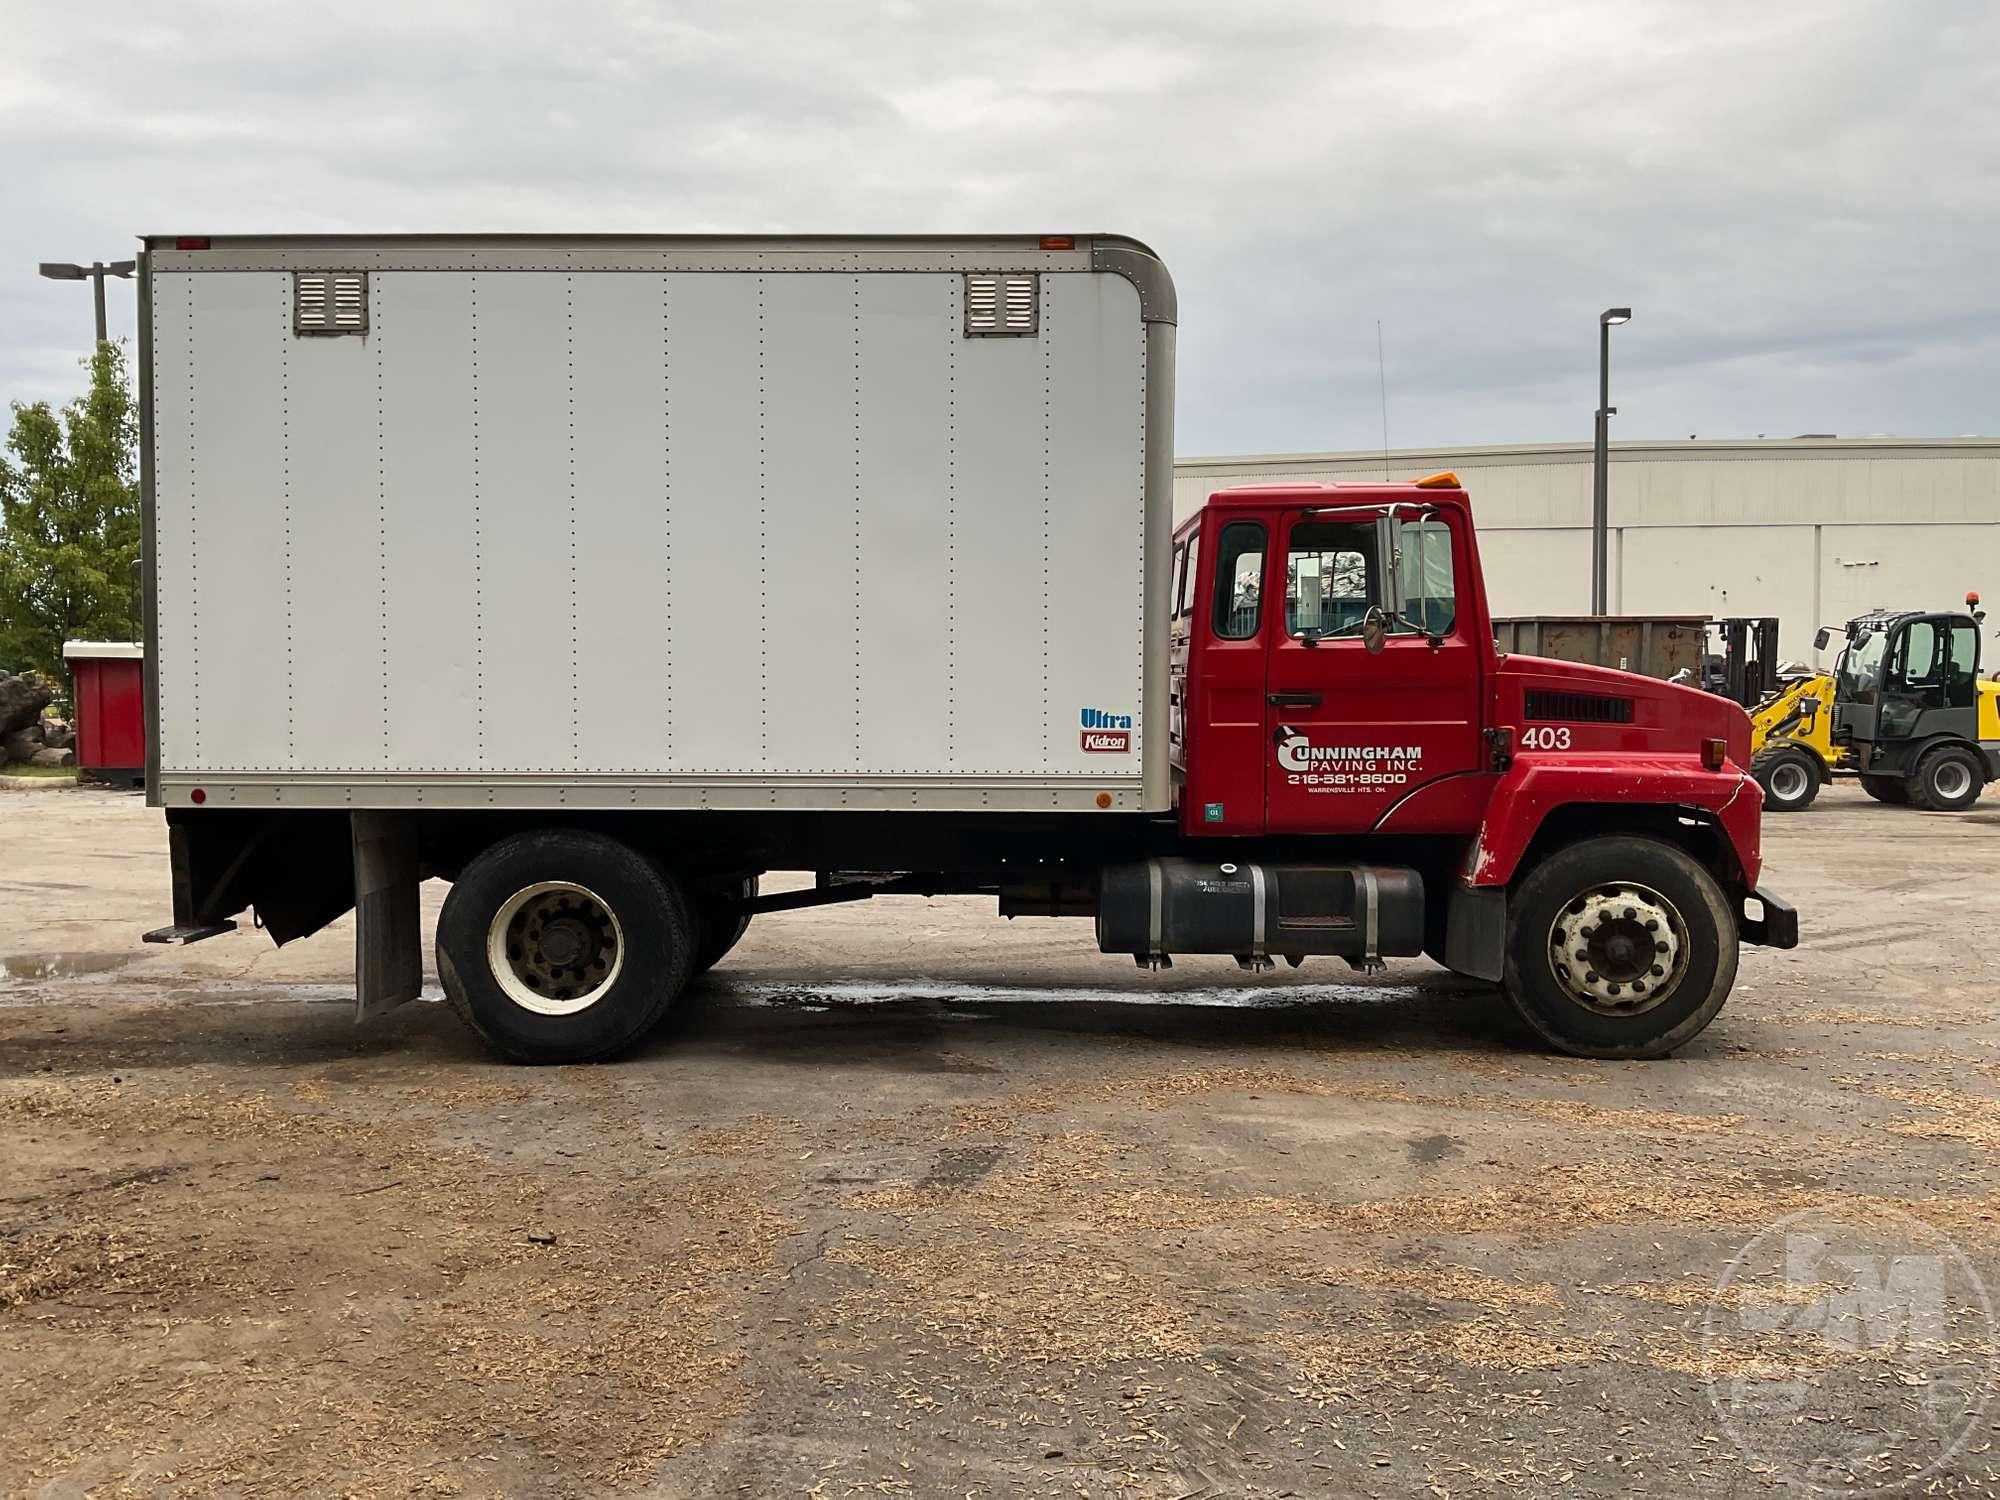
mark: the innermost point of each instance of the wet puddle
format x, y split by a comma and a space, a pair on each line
63, 965
946, 994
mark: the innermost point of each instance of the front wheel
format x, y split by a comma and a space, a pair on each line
1948, 778
1619, 947
558, 946
1789, 778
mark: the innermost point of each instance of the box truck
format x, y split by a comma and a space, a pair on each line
598, 575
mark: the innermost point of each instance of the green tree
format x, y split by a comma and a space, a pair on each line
69, 521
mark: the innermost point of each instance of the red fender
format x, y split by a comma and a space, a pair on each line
1530, 789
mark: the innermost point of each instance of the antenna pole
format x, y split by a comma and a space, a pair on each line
1382, 375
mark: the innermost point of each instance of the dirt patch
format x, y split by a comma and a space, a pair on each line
486, 1307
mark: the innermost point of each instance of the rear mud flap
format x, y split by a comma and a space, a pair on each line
388, 948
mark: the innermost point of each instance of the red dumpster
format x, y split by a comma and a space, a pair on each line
109, 678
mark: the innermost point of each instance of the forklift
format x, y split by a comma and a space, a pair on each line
1903, 710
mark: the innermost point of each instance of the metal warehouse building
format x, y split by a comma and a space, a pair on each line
1812, 530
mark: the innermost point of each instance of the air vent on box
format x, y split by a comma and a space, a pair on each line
999, 305
329, 302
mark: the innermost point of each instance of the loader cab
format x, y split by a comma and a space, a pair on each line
1906, 707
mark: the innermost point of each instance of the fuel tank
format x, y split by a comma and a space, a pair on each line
1158, 907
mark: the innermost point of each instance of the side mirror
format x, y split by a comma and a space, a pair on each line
1374, 630
1821, 637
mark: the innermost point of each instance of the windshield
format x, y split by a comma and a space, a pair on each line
1861, 666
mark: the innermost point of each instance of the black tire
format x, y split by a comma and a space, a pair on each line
1948, 778
1890, 789
638, 932
1614, 875
720, 924
1790, 778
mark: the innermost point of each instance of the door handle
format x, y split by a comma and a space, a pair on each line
1295, 700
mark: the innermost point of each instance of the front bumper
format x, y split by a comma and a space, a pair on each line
1778, 927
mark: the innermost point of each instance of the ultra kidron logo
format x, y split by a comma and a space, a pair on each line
1106, 733
1346, 768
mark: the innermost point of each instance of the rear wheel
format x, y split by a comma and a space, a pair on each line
1891, 789
558, 946
1789, 777
1619, 947
1948, 778
720, 922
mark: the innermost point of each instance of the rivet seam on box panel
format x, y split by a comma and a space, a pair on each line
859, 512
382, 539
667, 511
951, 541
285, 473
575, 685
763, 576
478, 560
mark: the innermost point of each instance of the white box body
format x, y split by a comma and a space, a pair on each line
656, 522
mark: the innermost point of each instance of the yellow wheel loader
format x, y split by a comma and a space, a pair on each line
1904, 711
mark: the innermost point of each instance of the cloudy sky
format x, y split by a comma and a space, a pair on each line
1801, 201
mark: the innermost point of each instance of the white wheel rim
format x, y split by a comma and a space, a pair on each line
1619, 949
555, 948
1788, 782
1952, 779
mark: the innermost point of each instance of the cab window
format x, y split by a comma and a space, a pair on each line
1239, 578
1430, 598
1961, 690
1185, 599
1329, 570
1919, 659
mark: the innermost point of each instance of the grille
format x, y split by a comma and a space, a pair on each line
329, 302
996, 306
1579, 708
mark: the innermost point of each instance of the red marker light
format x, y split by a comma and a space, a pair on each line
1058, 242
191, 242
197, 796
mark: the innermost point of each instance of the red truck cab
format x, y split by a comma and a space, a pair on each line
1334, 674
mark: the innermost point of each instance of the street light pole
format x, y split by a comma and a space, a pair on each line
96, 271
1600, 490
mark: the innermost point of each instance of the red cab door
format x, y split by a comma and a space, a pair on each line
1350, 733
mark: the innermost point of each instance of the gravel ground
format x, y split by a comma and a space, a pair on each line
909, 1201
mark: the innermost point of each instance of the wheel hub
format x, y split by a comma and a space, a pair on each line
555, 948
1619, 949
1788, 782
1951, 780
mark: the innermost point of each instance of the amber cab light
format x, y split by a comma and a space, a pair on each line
1714, 753
1444, 481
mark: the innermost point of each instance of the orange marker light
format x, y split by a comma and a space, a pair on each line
1104, 799
1058, 242
1444, 481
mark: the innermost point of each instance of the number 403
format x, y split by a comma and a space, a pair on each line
1546, 739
